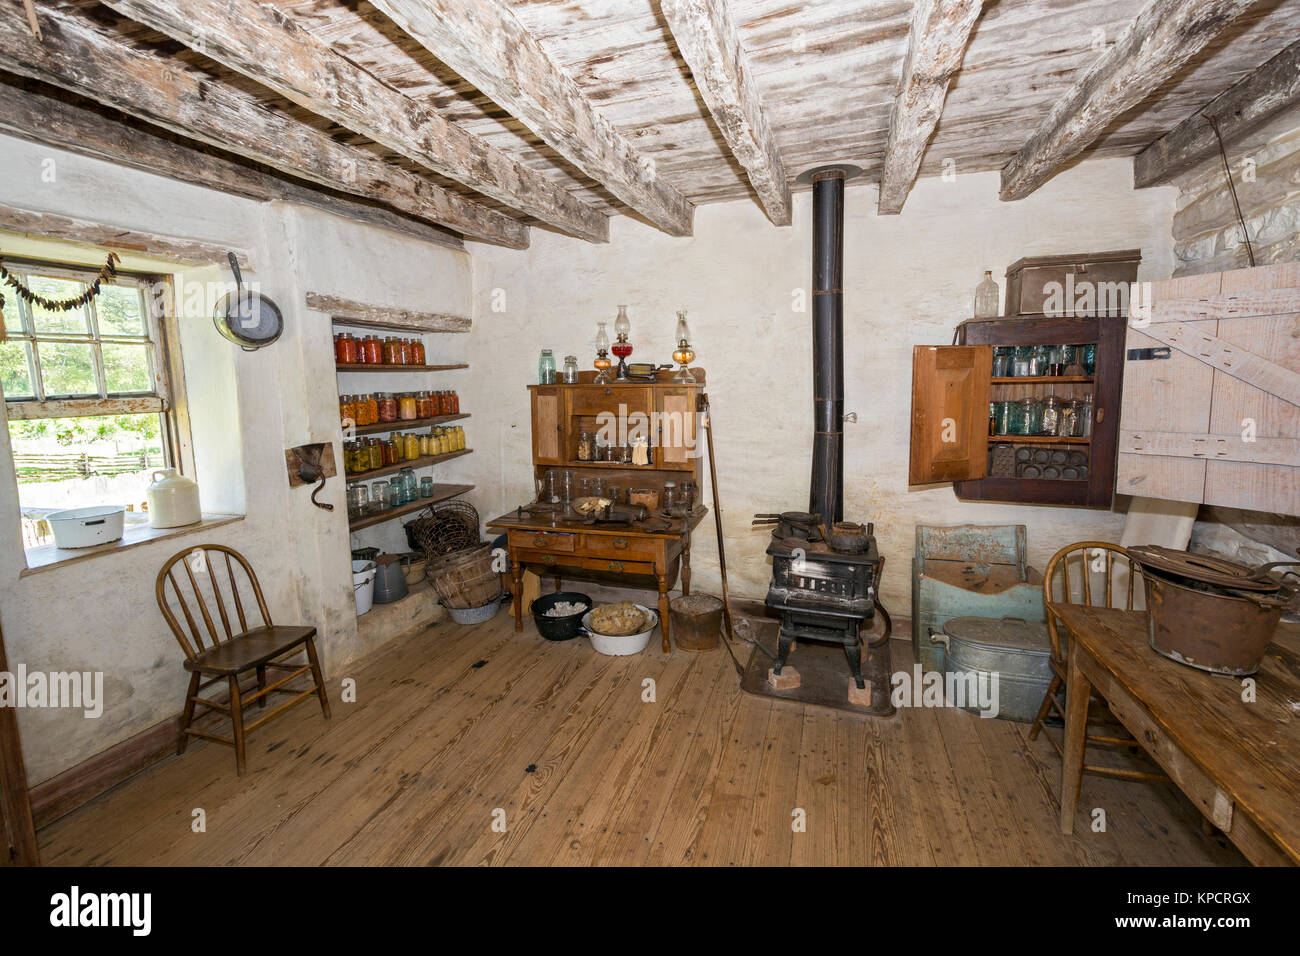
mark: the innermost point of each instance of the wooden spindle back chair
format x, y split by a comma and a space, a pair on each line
223, 647
1118, 574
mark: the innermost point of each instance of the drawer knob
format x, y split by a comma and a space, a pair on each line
541, 541
616, 565
620, 543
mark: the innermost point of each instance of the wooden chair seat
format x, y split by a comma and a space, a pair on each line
221, 646
246, 651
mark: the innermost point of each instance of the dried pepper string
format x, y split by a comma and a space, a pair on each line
61, 305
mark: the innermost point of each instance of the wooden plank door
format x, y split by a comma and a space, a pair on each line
17, 831
1219, 420
950, 412
549, 444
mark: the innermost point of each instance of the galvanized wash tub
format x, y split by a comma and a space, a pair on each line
1018, 652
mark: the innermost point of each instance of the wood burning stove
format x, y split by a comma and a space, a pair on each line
825, 572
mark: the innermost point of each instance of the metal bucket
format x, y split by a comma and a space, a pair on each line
696, 622
1215, 631
1017, 651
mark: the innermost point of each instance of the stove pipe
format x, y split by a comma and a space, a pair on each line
826, 497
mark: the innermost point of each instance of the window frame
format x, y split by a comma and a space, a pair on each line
166, 398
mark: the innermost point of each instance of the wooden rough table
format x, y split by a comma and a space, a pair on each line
1238, 761
576, 549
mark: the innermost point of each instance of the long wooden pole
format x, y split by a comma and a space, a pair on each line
717, 520
17, 831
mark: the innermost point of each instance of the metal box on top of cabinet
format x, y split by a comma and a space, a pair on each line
969, 571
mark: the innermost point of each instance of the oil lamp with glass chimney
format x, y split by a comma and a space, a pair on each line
683, 355
602, 362
621, 347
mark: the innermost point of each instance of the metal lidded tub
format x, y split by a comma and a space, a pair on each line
1007, 658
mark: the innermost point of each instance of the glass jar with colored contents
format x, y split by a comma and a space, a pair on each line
424, 406
386, 406
417, 352
375, 454
373, 349
345, 349
411, 443
348, 410
407, 408
372, 409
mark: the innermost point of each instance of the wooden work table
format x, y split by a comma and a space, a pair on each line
1238, 761
577, 548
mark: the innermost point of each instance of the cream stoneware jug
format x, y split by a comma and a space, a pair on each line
173, 500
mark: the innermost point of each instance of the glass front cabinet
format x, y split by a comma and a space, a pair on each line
1026, 409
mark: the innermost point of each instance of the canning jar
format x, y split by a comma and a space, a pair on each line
358, 501
391, 354
374, 350
424, 406
412, 443
417, 352
348, 410
1022, 362
407, 409
669, 500
1085, 417
570, 370
455, 402
426, 487
386, 406
1025, 417
1050, 416
345, 349
1000, 417
372, 409
375, 453
1090, 358
1069, 424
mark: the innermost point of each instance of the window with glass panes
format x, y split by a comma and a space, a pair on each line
102, 358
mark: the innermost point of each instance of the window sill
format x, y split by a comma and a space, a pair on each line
47, 557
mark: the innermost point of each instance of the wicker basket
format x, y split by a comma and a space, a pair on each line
444, 528
465, 579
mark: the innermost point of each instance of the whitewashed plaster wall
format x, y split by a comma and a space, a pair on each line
100, 614
908, 280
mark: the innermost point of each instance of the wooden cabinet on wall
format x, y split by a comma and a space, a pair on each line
953, 391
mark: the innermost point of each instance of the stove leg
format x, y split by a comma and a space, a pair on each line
853, 651
782, 649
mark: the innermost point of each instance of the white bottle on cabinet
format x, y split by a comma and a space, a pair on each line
986, 297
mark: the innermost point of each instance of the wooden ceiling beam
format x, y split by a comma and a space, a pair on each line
706, 35
266, 45
936, 46
485, 43
40, 118
1240, 109
79, 57
1163, 37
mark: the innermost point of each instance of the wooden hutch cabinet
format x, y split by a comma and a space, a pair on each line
568, 423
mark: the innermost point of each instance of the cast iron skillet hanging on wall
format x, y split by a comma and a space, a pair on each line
249, 319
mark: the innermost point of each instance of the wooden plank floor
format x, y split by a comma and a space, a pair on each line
461, 727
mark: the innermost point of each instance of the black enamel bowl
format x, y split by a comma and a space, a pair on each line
559, 628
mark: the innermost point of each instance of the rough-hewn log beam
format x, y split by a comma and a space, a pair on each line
1241, 108
41, 118
487, 45
266, 45
81, 58
1151, 49
935, 48
707, 38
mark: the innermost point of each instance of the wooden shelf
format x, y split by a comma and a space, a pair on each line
1037, 440
605, 464
399, 368
440, 493
413, 463
408, 424
1044, 380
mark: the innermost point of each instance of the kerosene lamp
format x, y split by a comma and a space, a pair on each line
602, 362
683, 355
622, 348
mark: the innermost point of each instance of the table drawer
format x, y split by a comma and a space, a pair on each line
617, 547
548, 559
616, 566
544, 540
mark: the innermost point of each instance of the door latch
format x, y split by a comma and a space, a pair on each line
1146, 355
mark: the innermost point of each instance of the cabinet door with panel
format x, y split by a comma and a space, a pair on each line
950, 389
677, 438
548, 425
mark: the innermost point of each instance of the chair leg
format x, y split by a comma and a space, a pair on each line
237, 724
261, 684
316, 675
1044, 707
187, 714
